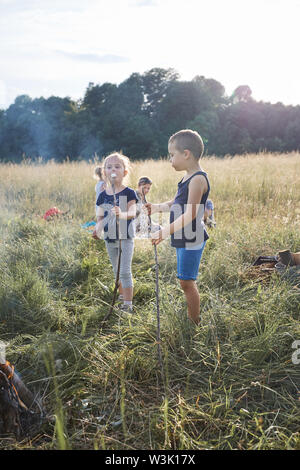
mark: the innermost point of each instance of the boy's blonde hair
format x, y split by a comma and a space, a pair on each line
187, 139
124, 160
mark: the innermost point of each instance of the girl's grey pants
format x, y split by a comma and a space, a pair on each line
127, 246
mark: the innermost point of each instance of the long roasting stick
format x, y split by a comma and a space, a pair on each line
158, 339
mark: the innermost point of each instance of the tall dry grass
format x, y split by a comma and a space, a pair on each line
229, 384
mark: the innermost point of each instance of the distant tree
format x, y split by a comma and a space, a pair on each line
276, 118
208, 125
213, 90
292, 130
242, 93
138, 138
118, 117
156, 83
190, 104
126, 105
98, 98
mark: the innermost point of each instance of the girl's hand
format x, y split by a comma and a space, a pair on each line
95, 236
97, 232
117, 212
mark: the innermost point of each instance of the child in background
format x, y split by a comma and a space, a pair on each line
100, 185
144, 186
115, 168
187, 230
142, 219
209, 218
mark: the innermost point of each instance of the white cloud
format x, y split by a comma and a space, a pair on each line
102, 59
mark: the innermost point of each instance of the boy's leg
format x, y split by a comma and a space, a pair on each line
190, 290
188, 262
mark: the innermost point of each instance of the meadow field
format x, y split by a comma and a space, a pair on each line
229, 383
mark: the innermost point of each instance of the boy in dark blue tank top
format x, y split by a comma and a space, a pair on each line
187, 229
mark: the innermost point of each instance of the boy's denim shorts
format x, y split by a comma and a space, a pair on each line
188, 262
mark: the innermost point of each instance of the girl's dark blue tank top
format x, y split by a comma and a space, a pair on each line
106, 201
195, 231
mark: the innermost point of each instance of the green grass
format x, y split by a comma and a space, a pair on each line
228, 384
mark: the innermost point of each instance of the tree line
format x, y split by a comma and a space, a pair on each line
138, 116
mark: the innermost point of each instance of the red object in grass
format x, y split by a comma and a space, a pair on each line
51, 213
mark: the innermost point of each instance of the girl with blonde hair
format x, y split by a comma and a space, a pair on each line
116, 209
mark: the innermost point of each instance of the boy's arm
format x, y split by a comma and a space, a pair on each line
162, 207
197, 187
131, 209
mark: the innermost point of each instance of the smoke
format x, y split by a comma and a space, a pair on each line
47, 129
41, 132
89, 146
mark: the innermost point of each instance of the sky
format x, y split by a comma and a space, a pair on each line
57, 47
